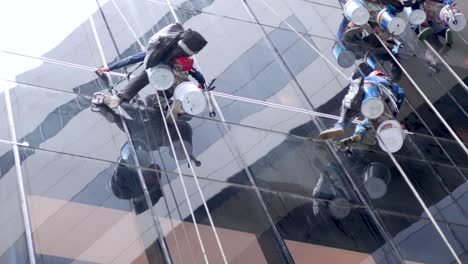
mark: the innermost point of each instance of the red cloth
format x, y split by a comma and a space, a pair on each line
185, 62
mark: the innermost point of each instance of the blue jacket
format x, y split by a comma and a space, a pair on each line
198, 76
128, 61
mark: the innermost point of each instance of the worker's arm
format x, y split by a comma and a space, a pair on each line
198, 76
399, 92
124, 62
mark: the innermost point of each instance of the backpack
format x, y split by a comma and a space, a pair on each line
173, 41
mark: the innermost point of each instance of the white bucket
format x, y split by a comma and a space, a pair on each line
338, 208
376, 188
372, 108
192, 98
357, 12
456, 24
393, 24
372, 105
160, 77
390, 136
415, 16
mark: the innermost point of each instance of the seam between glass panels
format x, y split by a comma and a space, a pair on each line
238, 19
396, 162
253, 101
19, 176
263, 189
377, 221
154, 215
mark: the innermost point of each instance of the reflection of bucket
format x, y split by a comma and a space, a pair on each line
390, 136
415, 16
339, 208
376, 178
160, 77
372, 105
356, 11
192, 98
344, 57
457, 22
395, 25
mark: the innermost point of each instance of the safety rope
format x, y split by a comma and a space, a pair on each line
205, 205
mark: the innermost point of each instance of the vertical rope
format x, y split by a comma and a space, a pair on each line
205, 205
154, 216
19, 178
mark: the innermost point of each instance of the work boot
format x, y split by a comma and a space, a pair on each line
448, 37
349, 141
174, 111
425, 33
336, 131
100, 98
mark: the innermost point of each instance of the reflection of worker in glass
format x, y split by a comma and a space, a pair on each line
330, 187
148, 134
371, 97
442, 19
354, 37
171, 46
354, 42
125, 182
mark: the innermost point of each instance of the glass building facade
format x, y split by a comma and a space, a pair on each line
268, 189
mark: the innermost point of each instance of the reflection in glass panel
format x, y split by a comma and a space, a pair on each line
4, 130
328, 232
13, 247
409, 232
63, 122
77, 210
245, 233
267, 178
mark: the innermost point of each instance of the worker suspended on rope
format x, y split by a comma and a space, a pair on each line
374, 97
167, 60
443, 17
357, 32
125, 181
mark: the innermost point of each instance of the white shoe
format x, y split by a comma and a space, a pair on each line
112, 101
174, 111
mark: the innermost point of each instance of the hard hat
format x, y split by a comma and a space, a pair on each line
378, 73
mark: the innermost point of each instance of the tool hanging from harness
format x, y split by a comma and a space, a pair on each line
98, 97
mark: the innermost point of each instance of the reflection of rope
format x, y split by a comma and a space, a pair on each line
377, 220
423, 95
142, 47
170, 218
460, 81
154, 216
189, 161
308, 43
418, 197
430, 132
391, 155
182, 177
